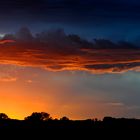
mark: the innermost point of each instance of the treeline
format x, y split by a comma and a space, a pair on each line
43, 120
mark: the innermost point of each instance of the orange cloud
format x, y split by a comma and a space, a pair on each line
8, 79
56, 51
6, 41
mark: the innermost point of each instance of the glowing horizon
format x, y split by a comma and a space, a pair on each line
77, 95
36, 75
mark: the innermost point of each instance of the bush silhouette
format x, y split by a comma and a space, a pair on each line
38, 116
3, 116
64, 118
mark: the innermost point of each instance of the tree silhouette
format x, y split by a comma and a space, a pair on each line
3, 116
64, 118
39, 121
38, 116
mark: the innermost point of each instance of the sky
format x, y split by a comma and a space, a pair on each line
74, 58
110, 19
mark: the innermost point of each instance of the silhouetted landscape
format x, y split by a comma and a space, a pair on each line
75, 64
43, 121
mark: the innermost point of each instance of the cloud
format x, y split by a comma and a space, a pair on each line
55, 51
117, 104
8, 79
6, 41
29, 81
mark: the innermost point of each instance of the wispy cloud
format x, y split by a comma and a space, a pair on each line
8, 79
117, 104
6, 41
56, 51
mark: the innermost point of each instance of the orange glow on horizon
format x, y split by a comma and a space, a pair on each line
20, 96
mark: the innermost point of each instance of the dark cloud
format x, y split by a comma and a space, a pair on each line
87, 17
55, 51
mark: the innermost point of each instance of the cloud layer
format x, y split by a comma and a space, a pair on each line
55, 51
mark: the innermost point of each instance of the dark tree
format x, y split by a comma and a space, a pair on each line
39, 116
64, 118
3, 116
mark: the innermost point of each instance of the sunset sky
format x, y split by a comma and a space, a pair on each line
75, 58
